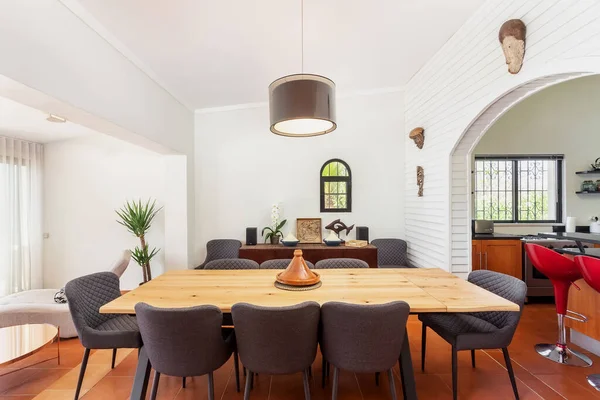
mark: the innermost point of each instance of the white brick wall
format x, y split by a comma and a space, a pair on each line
464, 79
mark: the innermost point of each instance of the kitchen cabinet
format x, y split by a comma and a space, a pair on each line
504, 256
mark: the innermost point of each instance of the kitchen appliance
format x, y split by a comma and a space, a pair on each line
484, 226
537, 283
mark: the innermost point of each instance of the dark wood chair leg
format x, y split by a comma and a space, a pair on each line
114, 358
392, 384
86, 356
183, 382
334, 390
377, 378
511, 373
423, 346
454, 373
248, 385
323, 373
236, 364
251, 377
306, 385
473, 358
211, 386
154, 391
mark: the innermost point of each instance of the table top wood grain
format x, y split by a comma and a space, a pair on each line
425, 290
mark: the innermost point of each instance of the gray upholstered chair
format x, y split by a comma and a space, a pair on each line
277, 340
391, 253
221, 248
333, 263
484, 330
185, 342
281, 263
363, 338
99, 331
232, 263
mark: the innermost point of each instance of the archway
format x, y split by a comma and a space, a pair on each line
460, 172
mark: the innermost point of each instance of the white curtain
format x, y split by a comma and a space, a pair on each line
21, 234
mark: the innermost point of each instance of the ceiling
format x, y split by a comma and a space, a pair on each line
211, 53
27, 123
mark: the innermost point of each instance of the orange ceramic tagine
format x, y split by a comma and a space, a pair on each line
298, 273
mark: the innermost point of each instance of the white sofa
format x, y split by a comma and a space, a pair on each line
38, 306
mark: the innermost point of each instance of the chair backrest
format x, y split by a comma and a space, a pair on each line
332, 263
183, 341
590, 269
281, 263
217, 249
363, 338
277, 340
121, 264
391, 252
232, 263
505, 286
87, 294
555, 266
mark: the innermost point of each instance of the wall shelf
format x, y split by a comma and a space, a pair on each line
587, 192
588, 172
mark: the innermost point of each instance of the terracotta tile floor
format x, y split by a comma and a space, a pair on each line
537, 377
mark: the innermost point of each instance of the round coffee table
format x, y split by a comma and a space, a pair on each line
21, 341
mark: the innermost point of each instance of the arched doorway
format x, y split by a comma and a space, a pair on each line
460, 172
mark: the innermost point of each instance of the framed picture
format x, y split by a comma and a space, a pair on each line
308, 230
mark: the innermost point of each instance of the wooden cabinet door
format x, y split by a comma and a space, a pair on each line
503, 256
476, 257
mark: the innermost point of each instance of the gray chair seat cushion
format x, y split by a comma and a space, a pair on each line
465, 331
118, 332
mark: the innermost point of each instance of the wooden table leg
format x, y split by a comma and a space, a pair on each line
142, 375
407, 374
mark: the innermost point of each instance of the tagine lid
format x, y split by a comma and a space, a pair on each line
298, 273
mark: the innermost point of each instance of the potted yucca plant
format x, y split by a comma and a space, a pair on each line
137, 218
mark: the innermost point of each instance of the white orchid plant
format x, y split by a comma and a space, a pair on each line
274, 230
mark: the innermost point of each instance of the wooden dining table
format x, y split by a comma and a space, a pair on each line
425, 290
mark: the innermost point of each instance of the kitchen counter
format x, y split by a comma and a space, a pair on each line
496, 236
575, 252
576, 236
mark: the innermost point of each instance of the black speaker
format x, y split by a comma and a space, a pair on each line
362, 233
251, 236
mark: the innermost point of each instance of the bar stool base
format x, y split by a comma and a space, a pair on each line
594, 381
564, 355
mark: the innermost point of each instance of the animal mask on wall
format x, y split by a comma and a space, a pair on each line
512, 37
418, 135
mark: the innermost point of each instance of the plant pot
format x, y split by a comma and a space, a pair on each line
275, 239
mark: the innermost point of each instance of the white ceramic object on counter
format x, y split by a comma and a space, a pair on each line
571, 224
595, 227
333, 237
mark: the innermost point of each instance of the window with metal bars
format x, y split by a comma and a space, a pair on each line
336, 187
518, 189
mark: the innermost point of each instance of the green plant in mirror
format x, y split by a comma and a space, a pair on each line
137, 217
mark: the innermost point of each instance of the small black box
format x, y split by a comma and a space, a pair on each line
251, 236
362, 233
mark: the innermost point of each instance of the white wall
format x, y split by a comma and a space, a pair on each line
85, 180
465, 77
562, 119
242, 169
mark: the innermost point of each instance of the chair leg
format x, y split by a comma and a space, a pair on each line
377, 378
454, 373
211, 386
114, 358
306, 384
86, 356
236, 364
334, 390
473, 358
249, 377
392, 384
511, 373
323, 372
183, 382
154, 390
423, 346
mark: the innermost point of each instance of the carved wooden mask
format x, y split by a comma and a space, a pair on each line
420, 179
418, 135
512, 37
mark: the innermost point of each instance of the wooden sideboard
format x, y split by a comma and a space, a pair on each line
310, 252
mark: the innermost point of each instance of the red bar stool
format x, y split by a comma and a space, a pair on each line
562, 272
590, 269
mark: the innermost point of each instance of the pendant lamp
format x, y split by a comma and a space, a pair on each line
302, 105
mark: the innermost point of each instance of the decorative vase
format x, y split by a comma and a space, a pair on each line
275, 239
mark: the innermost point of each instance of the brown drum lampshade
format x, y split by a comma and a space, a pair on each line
302, 105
